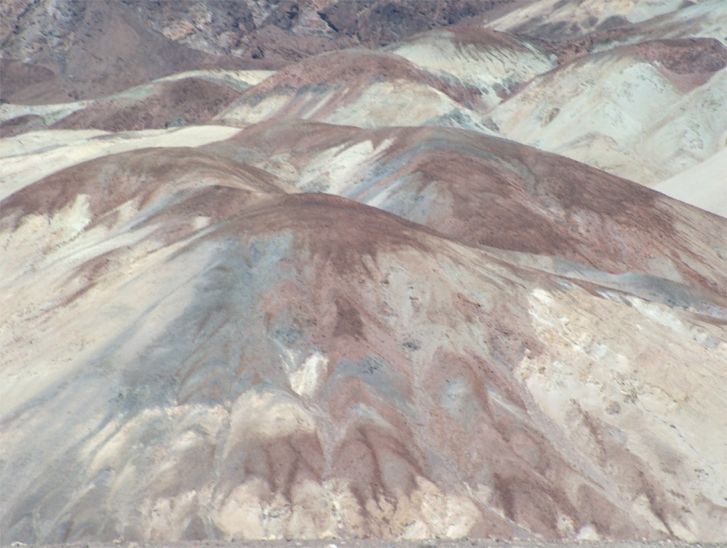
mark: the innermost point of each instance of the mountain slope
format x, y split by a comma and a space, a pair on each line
347, 299
60, 50
496, 64
644, 112
561, 20
485, 191
356, 87
289, 353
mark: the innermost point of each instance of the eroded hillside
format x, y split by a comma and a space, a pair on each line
407, 281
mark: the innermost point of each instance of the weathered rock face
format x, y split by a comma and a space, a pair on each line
68, 50
60, 50
383, 22
333, 301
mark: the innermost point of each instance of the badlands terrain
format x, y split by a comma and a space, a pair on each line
405, 270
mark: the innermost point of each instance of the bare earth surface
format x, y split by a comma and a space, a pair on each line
398, 271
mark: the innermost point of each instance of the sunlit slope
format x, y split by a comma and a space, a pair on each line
222, 352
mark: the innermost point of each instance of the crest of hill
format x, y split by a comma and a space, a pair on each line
357, 87
495, 63
162, 104
486, 191
352, 68
147, 178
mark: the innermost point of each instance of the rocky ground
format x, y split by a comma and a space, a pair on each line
413, 292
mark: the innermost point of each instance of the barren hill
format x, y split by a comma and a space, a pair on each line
389, 271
